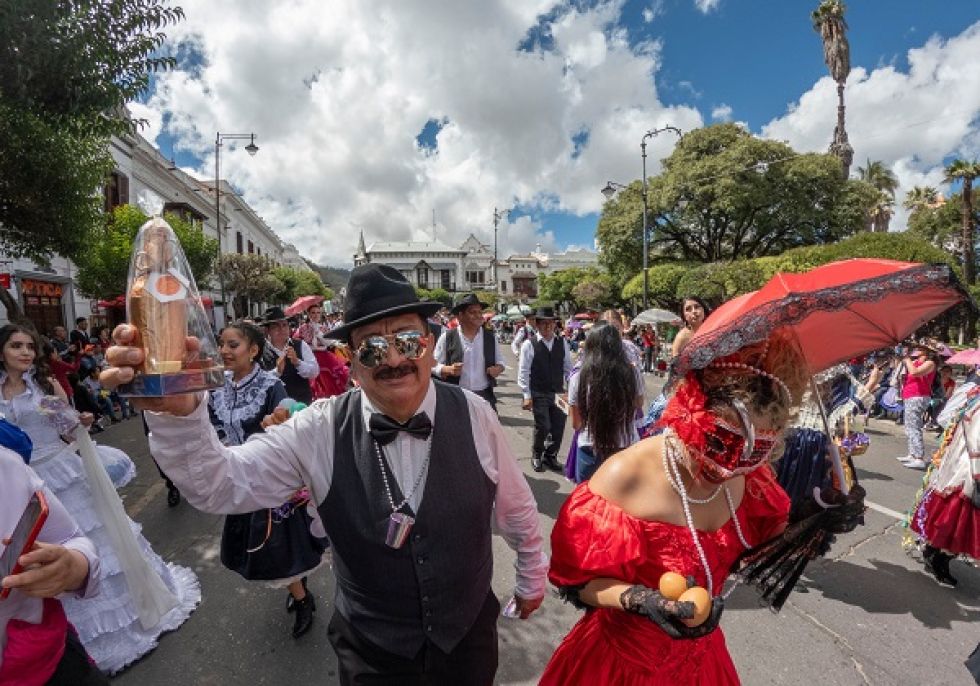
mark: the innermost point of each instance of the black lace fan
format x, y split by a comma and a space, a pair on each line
774, 567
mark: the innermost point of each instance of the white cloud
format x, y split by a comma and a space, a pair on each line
656, 9
912, 120
338, 92
722, 113
705, 6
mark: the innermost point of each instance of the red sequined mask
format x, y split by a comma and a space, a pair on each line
717, 446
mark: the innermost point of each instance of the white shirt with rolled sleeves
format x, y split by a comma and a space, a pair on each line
17, 483
474, 375
268, 468
307, 367
527, 356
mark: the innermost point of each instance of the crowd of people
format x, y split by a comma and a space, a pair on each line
370, 440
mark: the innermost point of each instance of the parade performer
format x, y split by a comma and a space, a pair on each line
409, 476
37, 644
294, 362
273, 545
468, 355
688, 502
525, 332
920, 369
332, 379
545, 363
947, 514
109, 626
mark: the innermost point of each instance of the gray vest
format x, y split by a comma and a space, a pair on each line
434, 587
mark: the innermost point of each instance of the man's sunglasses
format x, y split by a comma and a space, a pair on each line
373, 350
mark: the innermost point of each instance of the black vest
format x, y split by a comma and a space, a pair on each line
297, 387
436, 584
548, 367
454, 353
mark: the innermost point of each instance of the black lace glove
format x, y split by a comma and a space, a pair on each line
667, 614
846, 512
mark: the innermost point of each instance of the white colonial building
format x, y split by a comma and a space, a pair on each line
428, 264
145, 178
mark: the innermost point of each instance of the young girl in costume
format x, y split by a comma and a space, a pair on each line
688, 501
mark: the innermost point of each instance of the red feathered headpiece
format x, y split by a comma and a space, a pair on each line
687, 414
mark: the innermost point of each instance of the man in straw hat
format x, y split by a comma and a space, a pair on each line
408, 474
468, 355
545, 364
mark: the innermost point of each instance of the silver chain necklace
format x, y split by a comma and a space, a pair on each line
418, 480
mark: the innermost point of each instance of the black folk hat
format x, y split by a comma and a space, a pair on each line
376, 291
272, 314
545, 313
465, 301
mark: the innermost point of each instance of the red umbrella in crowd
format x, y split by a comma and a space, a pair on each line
303, 303
838, 311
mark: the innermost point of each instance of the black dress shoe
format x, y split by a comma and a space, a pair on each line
304, 615
552, 463
536, 464
173, 496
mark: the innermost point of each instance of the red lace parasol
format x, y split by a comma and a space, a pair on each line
838, 311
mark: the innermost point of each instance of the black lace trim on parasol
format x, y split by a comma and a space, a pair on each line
758, 324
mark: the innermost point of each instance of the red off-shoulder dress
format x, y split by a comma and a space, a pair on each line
595, 539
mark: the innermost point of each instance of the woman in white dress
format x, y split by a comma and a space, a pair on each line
109, 626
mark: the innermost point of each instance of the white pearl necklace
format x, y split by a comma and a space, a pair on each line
674, 482
674, 477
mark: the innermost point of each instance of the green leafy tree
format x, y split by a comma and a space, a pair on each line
297, 283
886, 183
558, 287
67, 70
662, 284
436, 294
593, 292
966, 172
725, 194
828, 21
103, 267
920, 197
251, 278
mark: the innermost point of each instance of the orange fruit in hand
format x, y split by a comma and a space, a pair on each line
702, 605
672, 585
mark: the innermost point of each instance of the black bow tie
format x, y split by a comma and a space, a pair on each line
384, 429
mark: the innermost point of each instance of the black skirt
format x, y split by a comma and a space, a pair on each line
271, 545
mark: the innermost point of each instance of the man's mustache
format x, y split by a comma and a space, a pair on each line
387, 372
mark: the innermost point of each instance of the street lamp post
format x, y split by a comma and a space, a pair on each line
497, 216
646, 235
612, 187
251, 149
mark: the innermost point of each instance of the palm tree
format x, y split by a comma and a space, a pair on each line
962, 170
885, 182
919, 197
828, 21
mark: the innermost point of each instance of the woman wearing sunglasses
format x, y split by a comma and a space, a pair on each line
408, 475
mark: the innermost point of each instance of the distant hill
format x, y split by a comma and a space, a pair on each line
334, 277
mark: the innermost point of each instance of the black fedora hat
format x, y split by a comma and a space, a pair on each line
376, 291
272, 314
545, 313
465, 301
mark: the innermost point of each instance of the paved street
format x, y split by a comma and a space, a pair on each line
869, 614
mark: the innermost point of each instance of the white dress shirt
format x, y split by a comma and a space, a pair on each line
474, 375
527, 355
268, 468
17, 483
519, 337
307, 367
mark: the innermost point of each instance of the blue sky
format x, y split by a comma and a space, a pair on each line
370, 115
